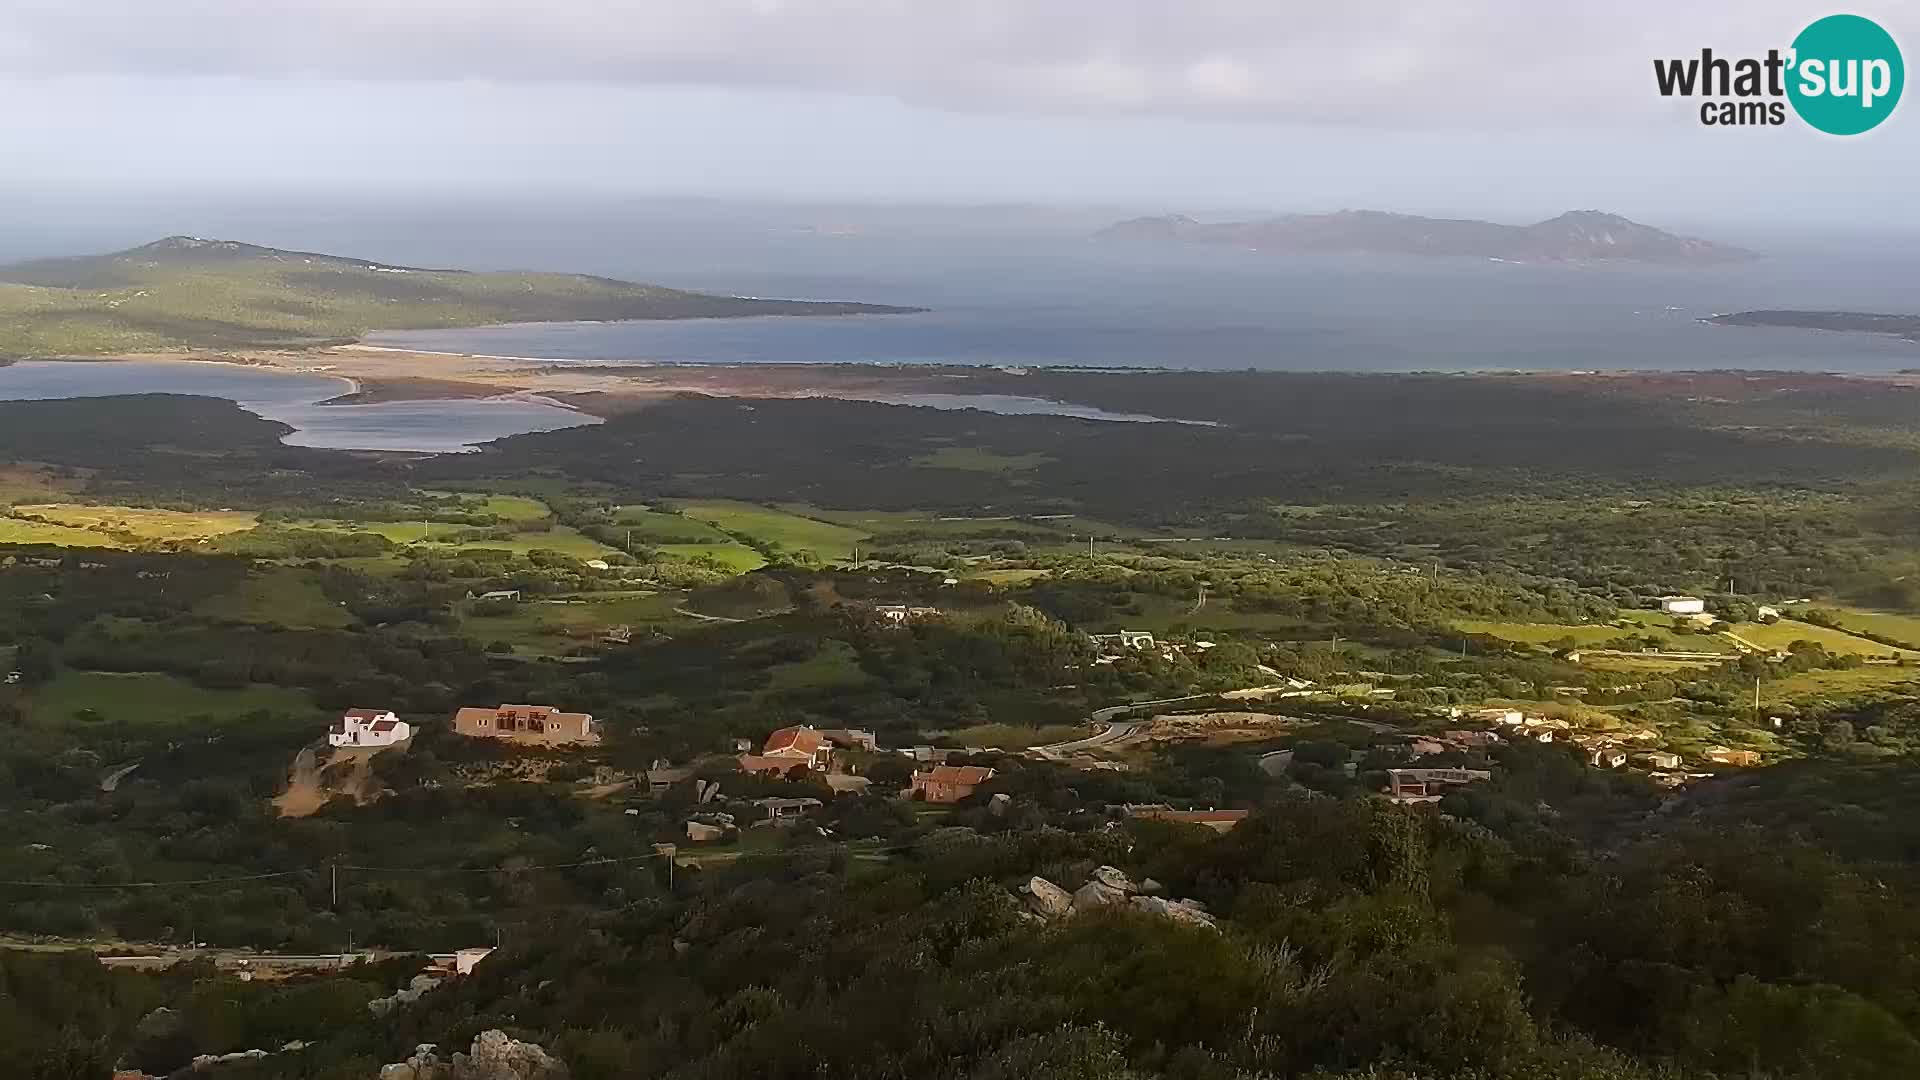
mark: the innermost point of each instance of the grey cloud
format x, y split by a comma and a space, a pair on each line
1422, 64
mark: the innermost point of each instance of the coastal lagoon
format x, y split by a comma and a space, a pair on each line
435, 427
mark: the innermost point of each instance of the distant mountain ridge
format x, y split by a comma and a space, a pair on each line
187, 292
1575, 236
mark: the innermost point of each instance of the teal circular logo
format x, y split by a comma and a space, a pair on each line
1846, 75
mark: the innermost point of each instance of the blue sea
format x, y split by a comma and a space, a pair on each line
1236, 310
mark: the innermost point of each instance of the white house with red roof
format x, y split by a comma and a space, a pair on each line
799, 745
368, 727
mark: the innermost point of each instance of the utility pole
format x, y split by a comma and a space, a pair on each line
336, 887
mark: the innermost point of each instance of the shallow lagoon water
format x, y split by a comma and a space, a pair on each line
294, 399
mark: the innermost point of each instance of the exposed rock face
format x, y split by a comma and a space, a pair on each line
1097, 894
1047, 899
1110, 886
494, 1056
1184, 911
419, 985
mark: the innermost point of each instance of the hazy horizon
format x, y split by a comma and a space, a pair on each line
142, 112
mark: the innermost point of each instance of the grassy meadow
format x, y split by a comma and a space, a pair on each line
825, 540
154, 700
277, 596
1781, 634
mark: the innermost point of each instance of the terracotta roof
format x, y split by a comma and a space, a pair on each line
383, 725
803, 739
365, 714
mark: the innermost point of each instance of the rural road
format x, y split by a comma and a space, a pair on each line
1113, 733
705, 618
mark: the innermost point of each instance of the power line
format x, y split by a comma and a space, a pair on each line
150, 884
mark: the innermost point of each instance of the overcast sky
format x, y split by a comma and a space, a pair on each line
1504, 107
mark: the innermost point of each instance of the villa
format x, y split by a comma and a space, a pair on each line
368, 727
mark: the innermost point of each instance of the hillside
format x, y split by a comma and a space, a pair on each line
1904, 326
185, 292
1575, 236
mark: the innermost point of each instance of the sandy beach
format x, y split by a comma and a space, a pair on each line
379, 374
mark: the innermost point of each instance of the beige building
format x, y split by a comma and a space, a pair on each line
533, 725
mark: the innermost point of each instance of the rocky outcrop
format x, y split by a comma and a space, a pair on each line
419, 985
495, 1055
1097, 894
1046, 899
1109, 887
1183, 911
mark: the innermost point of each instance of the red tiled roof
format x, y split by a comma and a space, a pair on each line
804, 739
365, 714
383, 726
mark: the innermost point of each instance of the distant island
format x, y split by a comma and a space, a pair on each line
184, 292
1576, 236
1902, 326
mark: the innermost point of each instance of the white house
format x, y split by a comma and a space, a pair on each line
1682, 605
368, 727
1125, 639
1503, 717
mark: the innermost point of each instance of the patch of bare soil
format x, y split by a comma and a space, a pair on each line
1210, 727
348, 771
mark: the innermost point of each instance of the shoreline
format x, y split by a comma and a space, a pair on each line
373, 375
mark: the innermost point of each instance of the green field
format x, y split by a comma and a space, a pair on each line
1901, 628
657, 527
1540, 633
278, 596
1008, 576
552, 629
560, 538
1590, 635
150, 700
1014, 736
439, 536
1781, 634
869, 521
142, 523
1812, 687
979, 459
16, 531
778, 528
738, 558
835, 666
516, 508
1642, 665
